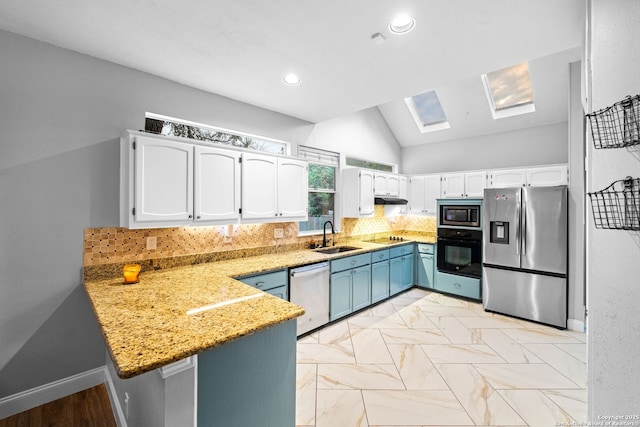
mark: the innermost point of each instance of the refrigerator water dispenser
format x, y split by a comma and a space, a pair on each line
499, 232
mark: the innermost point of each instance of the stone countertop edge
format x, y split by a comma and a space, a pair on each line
146, 325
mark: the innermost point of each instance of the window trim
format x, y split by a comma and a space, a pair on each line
331, 159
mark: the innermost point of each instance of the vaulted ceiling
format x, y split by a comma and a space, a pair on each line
242, 49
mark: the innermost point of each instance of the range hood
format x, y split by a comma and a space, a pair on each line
389, 201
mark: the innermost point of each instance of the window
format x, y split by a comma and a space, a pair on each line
169, 126
509, 91
352, 161
427, 112
323, 166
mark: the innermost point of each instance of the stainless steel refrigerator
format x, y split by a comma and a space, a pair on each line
525, 253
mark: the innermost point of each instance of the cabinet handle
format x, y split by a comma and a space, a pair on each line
457, 285
190, 216
380, 256
259, 284
198, 217
353, 261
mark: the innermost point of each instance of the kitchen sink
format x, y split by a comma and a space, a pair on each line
336, 249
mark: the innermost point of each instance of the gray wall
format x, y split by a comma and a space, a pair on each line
527, 147
613, 294
364, 135
61, 114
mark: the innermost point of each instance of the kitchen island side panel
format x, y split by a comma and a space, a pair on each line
251, 381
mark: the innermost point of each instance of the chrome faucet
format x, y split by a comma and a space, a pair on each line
324, 234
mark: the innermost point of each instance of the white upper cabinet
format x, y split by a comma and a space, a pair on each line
259, 186
423, 192
273, 189
217, 185
474, 184
293, 188
403, 187
508, 178
169, 183
539, 176
548, 176
386, 184
156, 182
357, 193
469, 184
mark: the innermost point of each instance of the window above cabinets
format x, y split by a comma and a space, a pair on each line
163, 125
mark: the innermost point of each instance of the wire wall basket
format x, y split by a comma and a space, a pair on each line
617, 207
617, 126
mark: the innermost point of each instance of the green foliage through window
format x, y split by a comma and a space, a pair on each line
322, 180
369, 165
166, 127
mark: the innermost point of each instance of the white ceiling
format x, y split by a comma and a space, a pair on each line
242, 49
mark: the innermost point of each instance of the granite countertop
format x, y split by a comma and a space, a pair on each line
146, 325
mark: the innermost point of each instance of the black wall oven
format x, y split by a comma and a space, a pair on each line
460, 252
459, 249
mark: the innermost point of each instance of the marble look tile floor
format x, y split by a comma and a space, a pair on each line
427, 359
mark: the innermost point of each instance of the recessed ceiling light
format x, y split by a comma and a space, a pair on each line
291, 80
402, 24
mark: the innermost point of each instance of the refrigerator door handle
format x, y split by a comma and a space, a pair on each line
518, 225
524, 225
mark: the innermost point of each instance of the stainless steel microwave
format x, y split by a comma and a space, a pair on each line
458, 215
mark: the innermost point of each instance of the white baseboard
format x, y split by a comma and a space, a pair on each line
46, 393
575, 325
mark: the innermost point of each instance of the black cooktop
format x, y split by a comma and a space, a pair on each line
391, 240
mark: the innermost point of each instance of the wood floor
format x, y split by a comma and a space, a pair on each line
87, 408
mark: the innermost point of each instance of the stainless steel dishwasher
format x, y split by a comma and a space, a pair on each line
309, 288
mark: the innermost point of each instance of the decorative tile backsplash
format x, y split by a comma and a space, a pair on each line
118, 245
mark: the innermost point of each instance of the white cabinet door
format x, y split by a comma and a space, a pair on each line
548, 176
366, 193
403, 187
163, 181
423, 192
393, 185
292, 188
508, 178
357, 193
386, 184
217, 185
416, 195
474, 184
259, 186
453, 185
432, 191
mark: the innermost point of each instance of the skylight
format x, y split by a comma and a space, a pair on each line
427, 112
509, 91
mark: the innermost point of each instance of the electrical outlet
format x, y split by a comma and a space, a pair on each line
278, 233
151, 243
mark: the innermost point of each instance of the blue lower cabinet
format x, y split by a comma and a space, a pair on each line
361, 287
350, 289
395, 275
425, 271
401, 266
275, 283
469, 287
379, 281
340, 303
280, 292
407, 271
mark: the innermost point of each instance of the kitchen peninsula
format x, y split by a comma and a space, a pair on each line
192, 343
